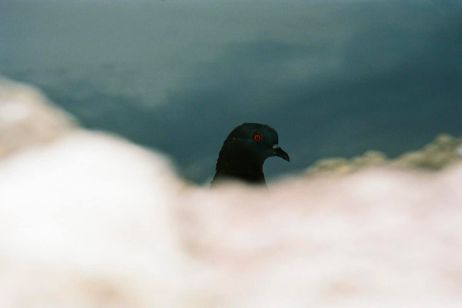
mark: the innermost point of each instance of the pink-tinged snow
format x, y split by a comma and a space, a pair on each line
93, 221
90, 220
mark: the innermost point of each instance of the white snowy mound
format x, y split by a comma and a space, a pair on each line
90, 220
27, 118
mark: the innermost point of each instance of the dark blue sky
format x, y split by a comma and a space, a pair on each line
335, 78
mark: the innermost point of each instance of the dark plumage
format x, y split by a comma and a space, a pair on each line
244, 152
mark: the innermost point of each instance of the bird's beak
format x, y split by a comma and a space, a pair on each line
277, 151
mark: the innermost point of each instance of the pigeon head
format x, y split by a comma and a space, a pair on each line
259, 141
245, 150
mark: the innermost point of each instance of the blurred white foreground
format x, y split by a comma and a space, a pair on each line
90, 220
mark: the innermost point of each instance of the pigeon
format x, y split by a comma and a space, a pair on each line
244, 151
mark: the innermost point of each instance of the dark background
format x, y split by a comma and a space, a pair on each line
335, 78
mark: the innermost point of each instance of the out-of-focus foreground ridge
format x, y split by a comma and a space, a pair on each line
91, 220
27, 118
445, 150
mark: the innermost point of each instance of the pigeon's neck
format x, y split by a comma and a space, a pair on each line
241, 164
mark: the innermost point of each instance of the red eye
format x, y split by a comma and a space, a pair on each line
257, 137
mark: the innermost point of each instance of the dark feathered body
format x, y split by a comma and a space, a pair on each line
237, 162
